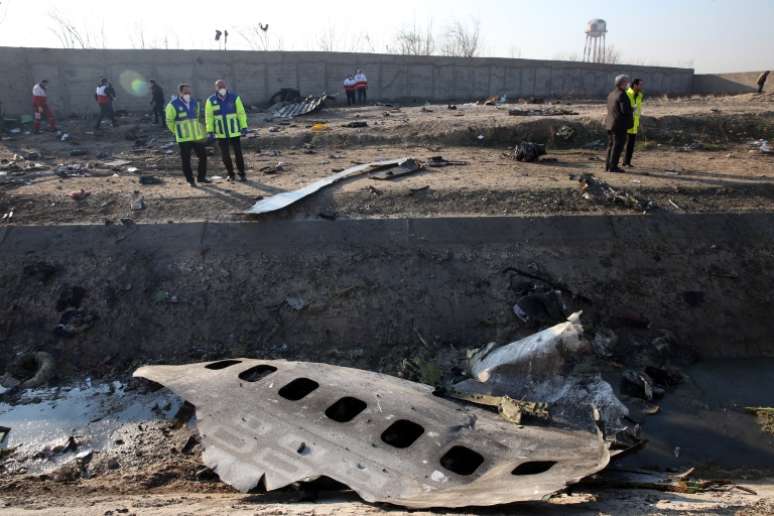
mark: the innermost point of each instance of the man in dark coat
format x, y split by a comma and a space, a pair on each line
761, 82
158, 102
620, 118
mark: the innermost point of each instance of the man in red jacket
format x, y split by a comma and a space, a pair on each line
40, 107
349, 89
104, 97
361, 86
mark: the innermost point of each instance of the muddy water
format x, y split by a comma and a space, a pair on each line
704, 423
53, 426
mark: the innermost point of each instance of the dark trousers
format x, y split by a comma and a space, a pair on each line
760, 88
361, 95
106, 111
185, 152
631, 139
351, 98
158, 113
615, 144
224, 144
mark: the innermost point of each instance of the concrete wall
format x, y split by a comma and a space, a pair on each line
728, 83
257, 75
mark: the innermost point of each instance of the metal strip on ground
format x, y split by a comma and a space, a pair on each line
285, 199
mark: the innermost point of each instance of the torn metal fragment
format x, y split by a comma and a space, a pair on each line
405, 167
599, 191
541, 354
440, 161
285, 199
666, 482
290, 110
510, 409
389, 439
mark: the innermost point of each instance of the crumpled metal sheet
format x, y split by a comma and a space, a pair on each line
285, 199
463, 455
309, 105
544, 368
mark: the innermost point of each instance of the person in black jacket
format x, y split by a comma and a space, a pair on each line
158, 103
761, 82
620, 118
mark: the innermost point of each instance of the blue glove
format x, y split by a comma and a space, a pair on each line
211, 138
244, 131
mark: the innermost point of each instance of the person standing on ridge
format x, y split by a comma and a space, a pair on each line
40, 107
761, 82
157, 101
105, 95
620, 118
226, 120
184, 120
349, 89
636, 96
361, 86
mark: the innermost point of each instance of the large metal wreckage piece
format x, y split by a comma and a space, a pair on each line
389, 439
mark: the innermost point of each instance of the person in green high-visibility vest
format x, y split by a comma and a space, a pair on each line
635, 95
184, 120
226, 121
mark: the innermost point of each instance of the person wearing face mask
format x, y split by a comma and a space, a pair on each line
183, 116
226, 121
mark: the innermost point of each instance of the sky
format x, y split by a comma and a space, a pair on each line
708, 35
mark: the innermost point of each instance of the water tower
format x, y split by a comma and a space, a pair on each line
594, 51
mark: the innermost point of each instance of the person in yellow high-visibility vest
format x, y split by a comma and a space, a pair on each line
635, 95
226, 121
183, 116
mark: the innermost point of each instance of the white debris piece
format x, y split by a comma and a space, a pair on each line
527, 353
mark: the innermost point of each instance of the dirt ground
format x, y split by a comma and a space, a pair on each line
604, 502
694, 156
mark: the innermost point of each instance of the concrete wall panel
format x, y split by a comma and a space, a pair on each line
311, 77
420, 81
464, 82
482, 84
513, 82
497, 76
444, 82
543, 81
392, 81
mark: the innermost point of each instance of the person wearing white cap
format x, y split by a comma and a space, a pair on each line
620, 118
